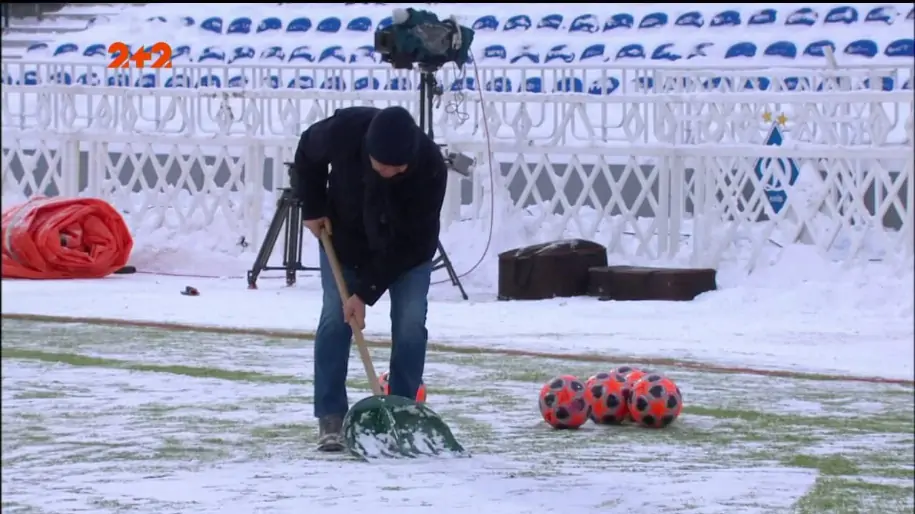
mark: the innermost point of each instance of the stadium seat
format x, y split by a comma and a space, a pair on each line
560, 53
242, 54
66, 48
212, 24
360, 24
89, 79
332, 53
817, 48
301, 83
725, 19
763, 17
631, 51
329, 25
517, 23
843, 14
61, 77
37, 47
911, 15
797, 84
886, 84
147, 80
467, 83
237, 81
595, 52
187, 21
550, 22
385, 23
302, 24
805, 16
363, 54
882, 14
654, 20
533, 85
604, 86
487, 23
619, 21
209, 81
526, 53
700, 50
758, 83
274, 53
301, 53
494, 52
569, 85
398, 84
30, 78
157, 19
178, 81
785, 49
212, 54
239, 26
900, 48
269, 24
664, 53
95, 50
742, 49
181, 53
366, 83
119, 80
499, 85
862, 48
585, 24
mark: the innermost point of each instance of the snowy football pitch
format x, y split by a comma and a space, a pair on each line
100, 419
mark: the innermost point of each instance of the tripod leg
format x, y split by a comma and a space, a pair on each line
266, 249
445, 262
293, 258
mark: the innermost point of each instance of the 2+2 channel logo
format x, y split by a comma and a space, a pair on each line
159, 53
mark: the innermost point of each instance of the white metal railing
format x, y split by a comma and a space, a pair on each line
679, 178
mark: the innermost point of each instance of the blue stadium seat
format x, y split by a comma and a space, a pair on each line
653, 20
242, 54
273, 52
496, 52
900, 48
187, 21
181, 52
763, 17
785, 49
631, 51
212, 53
398, 84
862, 48
797, 84
332, 53
147, 80
742, 49
239, 26
212, 24
805, 16
301, 53
882, 14
664, 53
301, 83
95, 50
517, 23
550, 22
385, 23
209, 81
644, 83
499, 85
329, 25
119, 80
66, 48
700, 50
334, 83
237, 81
487, 23
270, 82
363, 54
526, 53
560, 53
907, 84
569, 85
595, 51
7, 79
690, 19
717, 83
886, 84
844, 14
759, 83
532, 85
178, 81
911, 15
158, 19
619, 21
467, 83
301, 24
268, 24
817, 48
37, 47
727, 18
30, 78
61, 77
89, 79
366, 83
585, 24
604, 86
360, 24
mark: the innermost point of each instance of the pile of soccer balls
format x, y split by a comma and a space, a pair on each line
622, 394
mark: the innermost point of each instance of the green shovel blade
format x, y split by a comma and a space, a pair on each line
394, 426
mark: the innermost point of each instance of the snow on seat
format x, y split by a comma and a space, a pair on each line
885, 14
181, 53
212, 54
900, 48
385, 23
147, 80
363, 83
269, 24
665, 52
585, 24
30, 78
38, 47
762, 18
399, 84
301, 24
96, 50
242, 54
526, 53
805, 16
329, 25
486, 23
363, 54
301, 53
619, 21
655, 20
119, 80
179, 80
465, 84
593, 52
569, 85
61, 77
360, 24
729, 18
332, 53
89, 79
742, 49
237, 81
862, 48
700, 50
843, 14
886, 84
785, 49
239, 26
212, 24
690, 19
818, 48
273, 53
604, 86
495, 52
517, 23
66, 48
631, 51
499, 85
532, 85
334, 83
209, 81
561, 53
550, 22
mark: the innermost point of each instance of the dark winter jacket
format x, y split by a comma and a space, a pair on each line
380, 227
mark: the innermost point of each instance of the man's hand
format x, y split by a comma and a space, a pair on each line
316, 225
354, 312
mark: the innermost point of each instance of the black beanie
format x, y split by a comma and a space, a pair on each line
392, 136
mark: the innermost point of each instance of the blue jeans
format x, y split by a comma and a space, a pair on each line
409, 303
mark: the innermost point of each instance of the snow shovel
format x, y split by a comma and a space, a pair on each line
386, 425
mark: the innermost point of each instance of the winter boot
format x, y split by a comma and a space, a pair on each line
330, 434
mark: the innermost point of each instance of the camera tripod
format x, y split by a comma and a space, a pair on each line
289, 214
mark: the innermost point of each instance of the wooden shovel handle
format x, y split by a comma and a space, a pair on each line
357, 332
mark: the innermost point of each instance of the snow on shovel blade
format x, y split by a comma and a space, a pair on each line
394, 426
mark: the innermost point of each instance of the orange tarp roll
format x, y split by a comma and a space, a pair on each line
64, 238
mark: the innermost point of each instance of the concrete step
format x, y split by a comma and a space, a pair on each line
41, 30
23, 43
